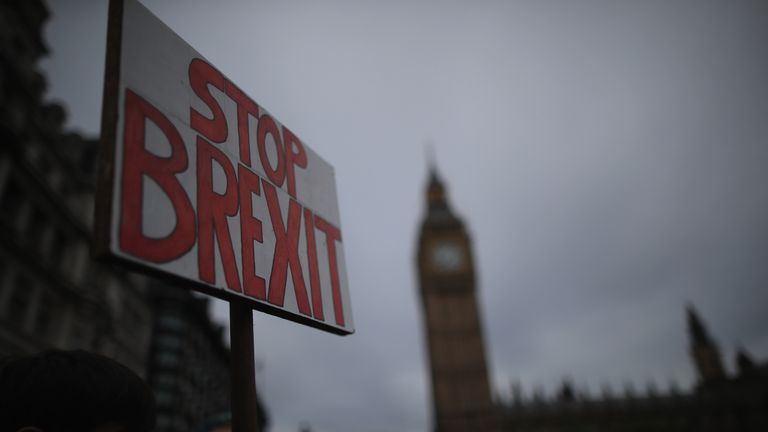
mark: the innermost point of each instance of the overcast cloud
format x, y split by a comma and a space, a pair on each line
609, 158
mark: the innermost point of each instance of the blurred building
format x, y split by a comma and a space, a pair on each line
461, 394
52, 294
189, 364
718, 402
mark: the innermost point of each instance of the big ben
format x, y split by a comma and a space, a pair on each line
461, 394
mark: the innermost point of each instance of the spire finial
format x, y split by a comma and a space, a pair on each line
429, 150
436, 197
744, 362
704, 351
696, 327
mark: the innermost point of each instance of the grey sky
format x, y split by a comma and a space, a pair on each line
608, 157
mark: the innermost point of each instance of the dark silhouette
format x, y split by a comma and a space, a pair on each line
73, 391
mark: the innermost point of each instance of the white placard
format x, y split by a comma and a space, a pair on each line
204, 185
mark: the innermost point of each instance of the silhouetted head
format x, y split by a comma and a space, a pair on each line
72, 391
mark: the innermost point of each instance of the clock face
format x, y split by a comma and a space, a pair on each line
447, 256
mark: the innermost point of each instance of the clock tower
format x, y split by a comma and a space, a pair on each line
461, 395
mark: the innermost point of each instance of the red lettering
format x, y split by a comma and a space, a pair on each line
245, 106
286, 251
314, 275
212, 212
267, 126
201, 74
250, 231
138, 163
294, 156
332, 235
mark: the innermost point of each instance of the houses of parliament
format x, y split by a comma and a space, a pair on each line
461, 393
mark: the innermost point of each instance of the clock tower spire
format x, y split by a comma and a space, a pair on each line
461, 395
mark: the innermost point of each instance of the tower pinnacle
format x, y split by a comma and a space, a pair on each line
704, 351
696, 328
437, 200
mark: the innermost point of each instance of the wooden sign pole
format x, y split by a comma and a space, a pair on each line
244, 404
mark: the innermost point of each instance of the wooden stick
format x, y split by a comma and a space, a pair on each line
244, 404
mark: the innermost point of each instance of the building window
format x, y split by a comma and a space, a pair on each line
168, 359
20, 301
58, 249
163, 398
165, 382
50, 172
5, 284
163, 421
35, 232
11, 201
2, 268
169, 342
79, 262
79, 335
45, 311
170, 323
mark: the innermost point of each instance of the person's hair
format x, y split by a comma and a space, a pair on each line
72, 391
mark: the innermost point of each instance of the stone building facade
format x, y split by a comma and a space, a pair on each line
189, 363
51, 293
